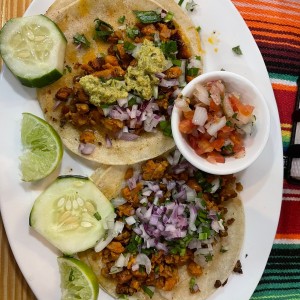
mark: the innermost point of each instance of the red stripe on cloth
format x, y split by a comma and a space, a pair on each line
290, 223
285, 103
287, 185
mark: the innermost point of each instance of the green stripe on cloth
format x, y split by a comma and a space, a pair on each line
283, 77
281, 278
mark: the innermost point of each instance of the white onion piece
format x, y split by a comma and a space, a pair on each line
168, 65
118, 201
201, 94
200, 116
112, 233
122, 102
215, 185
136, 50
142, 259
182, 104
214, 127
194, 63
130, 220
166, 294
106, 110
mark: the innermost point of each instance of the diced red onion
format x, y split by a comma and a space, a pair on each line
108, 141
160, 75
86, 148
127, 136
168, 83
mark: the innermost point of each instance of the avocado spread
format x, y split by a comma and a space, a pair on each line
103, 92
141, 78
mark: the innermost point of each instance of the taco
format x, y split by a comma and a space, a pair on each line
177, 233
126, 61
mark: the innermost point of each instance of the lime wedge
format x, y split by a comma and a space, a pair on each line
33, 48
77, 280
43, 149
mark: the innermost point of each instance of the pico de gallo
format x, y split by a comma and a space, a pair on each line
215, 121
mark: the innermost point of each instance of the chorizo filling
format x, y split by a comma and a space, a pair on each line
129, 90
168, 215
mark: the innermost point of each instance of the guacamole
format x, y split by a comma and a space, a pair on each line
141, 78
103, 92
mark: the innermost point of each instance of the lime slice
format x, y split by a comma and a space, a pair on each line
77, 280
43, 148
33, 48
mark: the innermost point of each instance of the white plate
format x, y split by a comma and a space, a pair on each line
222, 25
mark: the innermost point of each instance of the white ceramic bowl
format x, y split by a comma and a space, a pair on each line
254, 143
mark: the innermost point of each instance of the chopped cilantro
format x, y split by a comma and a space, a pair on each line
165, 126
128, 46
223, 250
132, 101
191, 5
198, 28
67, 68
192, 282
202, 236
176, 62
132, 32
237, 50
121, 20
229, 123
146, 17
148, 291
228, 149
168, 17
169, 48
208, 257
103, 29
81, 40
234, 116
180, 2
192, 72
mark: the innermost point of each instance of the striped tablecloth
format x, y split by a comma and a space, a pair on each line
275, 25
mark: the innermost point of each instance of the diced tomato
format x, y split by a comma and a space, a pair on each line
204, 146
193, 141
186, 126
237, 141
215, 157
238, 106
218, 143
214, 107
189, 114
226, 129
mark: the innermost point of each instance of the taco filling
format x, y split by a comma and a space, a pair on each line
169, 216
130, 89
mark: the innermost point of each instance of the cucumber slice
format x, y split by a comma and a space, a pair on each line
70, 214
33, 48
